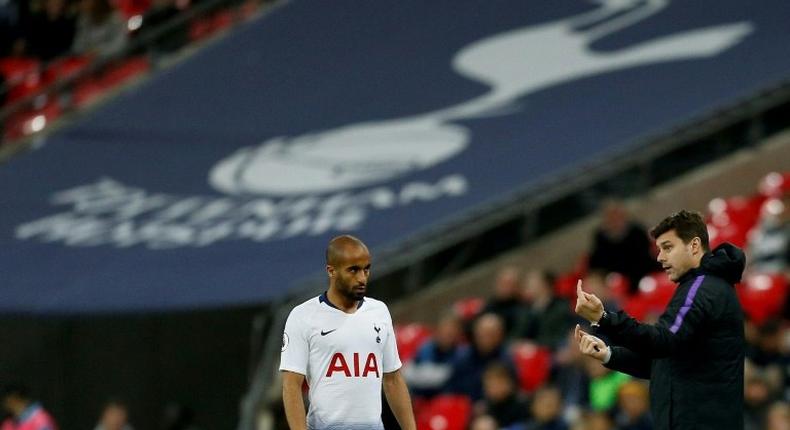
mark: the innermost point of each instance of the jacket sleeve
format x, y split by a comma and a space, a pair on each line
627, 361
658, 341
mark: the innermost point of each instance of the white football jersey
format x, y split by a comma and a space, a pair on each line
343, 357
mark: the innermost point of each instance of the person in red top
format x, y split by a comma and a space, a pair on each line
25, 414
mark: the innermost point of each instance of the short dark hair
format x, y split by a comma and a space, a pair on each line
687, 225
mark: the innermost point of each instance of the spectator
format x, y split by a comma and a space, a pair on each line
506, 301
769, 246
622, 245
25, 414
595, 283
547, 410
778, 417
501, 400
115, 416
570, 376
428, 373
483, 422
604, 385
757, 399
488, 346
597, 421
161, 12
14, 15
100, 29
51, 31
547, 318
634, 405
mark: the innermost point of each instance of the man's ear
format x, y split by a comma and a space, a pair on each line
696, 245
330, 271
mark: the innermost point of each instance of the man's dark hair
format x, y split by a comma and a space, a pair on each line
687, 225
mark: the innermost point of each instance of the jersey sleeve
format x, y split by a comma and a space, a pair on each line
391, 358
295, 348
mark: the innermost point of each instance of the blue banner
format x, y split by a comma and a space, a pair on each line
219, 181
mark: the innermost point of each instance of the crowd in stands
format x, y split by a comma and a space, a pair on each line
43, 42
25, 413
509, 361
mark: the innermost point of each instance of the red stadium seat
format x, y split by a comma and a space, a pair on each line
29, 122
775, 184
16, 69
763, 296
468, 308
409, 338
618, 285
637, 307
533, 365
128, 69
731, 219
656, 290
65, 68
445, 412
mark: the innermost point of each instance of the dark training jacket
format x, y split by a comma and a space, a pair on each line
694, 354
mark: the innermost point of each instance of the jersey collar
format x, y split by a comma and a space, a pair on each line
323, 298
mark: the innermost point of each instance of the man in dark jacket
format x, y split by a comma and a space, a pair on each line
694, 354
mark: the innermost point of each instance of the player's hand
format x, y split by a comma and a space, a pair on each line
588, 306
590, 345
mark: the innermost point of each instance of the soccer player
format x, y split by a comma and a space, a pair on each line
343, 344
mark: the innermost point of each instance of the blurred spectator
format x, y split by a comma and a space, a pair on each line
25, 414
115, 416
546, 319
604, 385
570, 376
506, 301
769, 245
757, 399
501, 399
595, 282
622, 245
162, 11
51, 31
14, 15
778, 417
428, 373
634, 404
483, 422
596, 421
101, 30
488, 346
547, 411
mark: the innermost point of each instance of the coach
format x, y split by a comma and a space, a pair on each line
694, 354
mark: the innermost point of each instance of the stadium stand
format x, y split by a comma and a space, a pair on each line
463, 185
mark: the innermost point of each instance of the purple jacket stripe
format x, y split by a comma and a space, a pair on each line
687, 305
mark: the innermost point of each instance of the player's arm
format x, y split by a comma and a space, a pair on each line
294, 401
397, 395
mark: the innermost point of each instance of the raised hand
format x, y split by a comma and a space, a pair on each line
588, 306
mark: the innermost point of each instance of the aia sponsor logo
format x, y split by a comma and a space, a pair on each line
357, 369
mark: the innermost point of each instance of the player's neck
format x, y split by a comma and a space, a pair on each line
341, 302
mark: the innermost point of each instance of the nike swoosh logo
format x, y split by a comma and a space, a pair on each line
324, 333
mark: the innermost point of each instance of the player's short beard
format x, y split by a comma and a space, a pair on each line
347, 291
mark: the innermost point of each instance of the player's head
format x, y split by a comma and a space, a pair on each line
348, 266
682, 240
